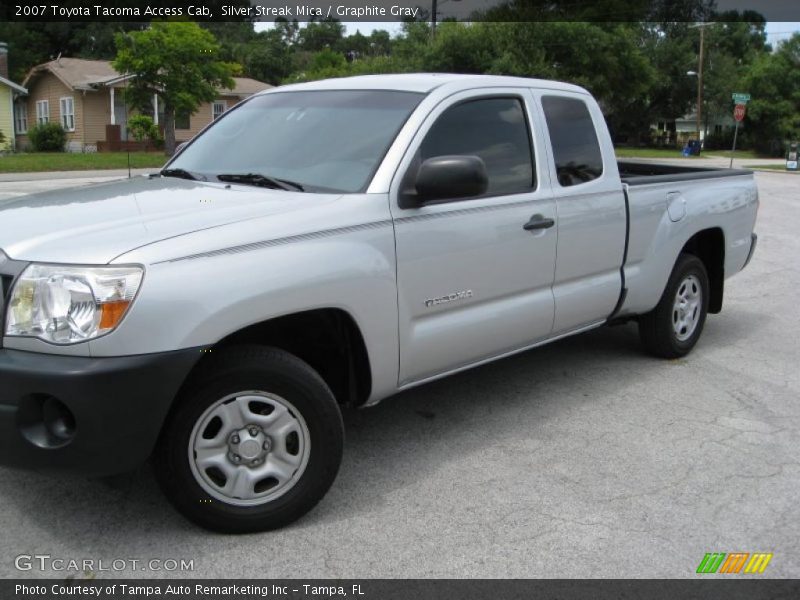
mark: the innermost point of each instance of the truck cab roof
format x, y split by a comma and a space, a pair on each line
426, 83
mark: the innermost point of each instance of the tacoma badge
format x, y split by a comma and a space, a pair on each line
462, 295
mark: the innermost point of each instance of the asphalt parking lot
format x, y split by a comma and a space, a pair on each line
584, 458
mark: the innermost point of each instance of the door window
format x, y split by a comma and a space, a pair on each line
496, 130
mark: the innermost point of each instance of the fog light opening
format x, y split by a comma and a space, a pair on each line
45, 421
58, 419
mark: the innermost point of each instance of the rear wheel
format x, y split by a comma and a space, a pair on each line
673, 327
253, 443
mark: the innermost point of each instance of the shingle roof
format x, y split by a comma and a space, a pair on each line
83, 74
77, 73
246, 86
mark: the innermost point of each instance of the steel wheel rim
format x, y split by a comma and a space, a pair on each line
687, 308
249, 448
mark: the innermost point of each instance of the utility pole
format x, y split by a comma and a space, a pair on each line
702, 27
435, 12
700, 83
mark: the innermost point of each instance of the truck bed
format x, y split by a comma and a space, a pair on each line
642, 173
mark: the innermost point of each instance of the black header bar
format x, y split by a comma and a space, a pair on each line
33, 11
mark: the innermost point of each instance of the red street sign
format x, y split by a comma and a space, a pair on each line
738, 112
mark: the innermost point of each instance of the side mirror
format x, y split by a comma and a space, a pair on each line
448, 177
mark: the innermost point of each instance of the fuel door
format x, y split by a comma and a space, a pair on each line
676, 206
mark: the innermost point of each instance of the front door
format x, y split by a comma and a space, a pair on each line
472, 282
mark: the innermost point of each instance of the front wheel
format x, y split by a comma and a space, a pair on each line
673, 327
253, 443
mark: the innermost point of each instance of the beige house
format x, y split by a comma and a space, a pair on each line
681, 130
87, 98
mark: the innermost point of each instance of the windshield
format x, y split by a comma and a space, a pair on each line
320, 141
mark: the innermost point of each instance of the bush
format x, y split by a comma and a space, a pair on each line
48, 137
143, 128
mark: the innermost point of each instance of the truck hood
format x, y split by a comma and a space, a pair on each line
96, 223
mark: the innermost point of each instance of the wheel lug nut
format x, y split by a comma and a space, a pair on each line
266, 445
235, 439
253, 431
237, 458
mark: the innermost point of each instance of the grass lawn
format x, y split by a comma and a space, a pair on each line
738, 154
624, 152
66, 161
778, 167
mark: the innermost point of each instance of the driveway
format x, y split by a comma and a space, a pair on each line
584, 458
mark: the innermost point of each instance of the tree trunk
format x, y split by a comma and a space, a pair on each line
169, 130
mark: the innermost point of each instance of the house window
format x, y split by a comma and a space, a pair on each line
219, 107
42, 112
68, 113
21, 117
182, 120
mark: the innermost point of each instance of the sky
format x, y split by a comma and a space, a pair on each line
780, 30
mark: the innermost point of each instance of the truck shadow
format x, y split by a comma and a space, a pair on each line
421, 430
408, 438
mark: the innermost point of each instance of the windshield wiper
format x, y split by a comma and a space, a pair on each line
182, 173
261, 180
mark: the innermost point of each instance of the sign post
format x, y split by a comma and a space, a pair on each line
738, 114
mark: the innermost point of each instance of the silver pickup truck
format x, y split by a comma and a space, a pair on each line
330, 244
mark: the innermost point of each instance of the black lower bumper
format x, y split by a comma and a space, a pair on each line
97, 416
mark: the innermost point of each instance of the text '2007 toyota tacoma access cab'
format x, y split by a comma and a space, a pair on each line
333, 243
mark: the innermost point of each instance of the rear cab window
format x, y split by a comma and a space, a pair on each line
576, 149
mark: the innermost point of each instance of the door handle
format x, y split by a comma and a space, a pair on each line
538, 222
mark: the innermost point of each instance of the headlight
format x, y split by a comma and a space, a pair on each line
67, 305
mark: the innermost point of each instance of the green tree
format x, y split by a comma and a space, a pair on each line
180, 62
606, 59
318, 35
773, 113
269, 57
732, 45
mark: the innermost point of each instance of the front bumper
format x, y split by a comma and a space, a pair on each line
96, 416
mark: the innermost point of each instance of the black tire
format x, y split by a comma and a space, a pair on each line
656, 329
232, 371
